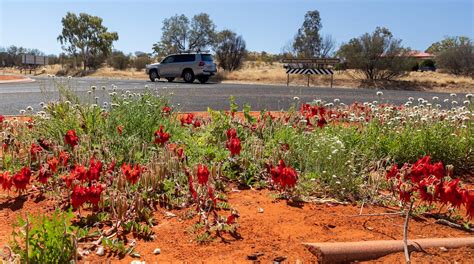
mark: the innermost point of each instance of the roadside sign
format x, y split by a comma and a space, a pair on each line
34, 60
309, 66
313, 61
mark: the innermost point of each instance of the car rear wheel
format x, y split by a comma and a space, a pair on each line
203, 79
188, 76
153, 75
170, 79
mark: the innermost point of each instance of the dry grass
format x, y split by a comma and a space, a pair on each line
275, 74
261, 73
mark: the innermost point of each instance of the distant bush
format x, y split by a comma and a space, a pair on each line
377, 55
427, 63
459, 59
414, 65
340, 66
141, 61
119, 61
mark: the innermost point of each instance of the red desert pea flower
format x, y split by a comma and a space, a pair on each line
120, 129
95, 168
132, 173
80, 172
68, 179
191, 185
288, 178
231, 218
234, 146
35, 150
6, 180
202, 174
22, 178
468, 199
437, 170
231, 133
63, 158
451, 192
161, 137
322, 122
166, 110
283, 175
188, 120
197, 123
2, 118
93, 194
43, 175
179, 151
53, 164
405, 191
428, 188
392, 173
79, 196
71, 138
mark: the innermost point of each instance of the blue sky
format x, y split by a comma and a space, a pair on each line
265, 24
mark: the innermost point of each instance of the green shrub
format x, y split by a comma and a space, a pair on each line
45, 239
427, 63
141, 61
119, 60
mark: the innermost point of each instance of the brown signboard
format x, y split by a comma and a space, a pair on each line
315, 61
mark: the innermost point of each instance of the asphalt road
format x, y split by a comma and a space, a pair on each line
197, 97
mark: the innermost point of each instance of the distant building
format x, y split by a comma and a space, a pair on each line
420, 55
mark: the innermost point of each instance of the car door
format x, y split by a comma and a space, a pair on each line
166, 66
182, 62
177, 65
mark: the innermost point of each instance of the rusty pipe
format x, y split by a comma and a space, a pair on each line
343, 252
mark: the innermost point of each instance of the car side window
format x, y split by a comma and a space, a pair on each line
178, 58
169, 59
185, 58
189, 57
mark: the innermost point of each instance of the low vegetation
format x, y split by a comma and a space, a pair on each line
115, 162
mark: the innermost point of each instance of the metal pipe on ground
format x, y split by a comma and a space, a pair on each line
344, 252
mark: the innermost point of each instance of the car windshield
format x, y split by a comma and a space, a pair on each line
206, 57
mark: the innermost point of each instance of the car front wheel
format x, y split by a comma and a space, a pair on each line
153, 75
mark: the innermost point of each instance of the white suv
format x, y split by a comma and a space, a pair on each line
189, 66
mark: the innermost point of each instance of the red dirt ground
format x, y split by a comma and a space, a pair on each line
278, 231
9, 77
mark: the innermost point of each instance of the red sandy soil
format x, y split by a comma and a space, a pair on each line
10, 77
278, 231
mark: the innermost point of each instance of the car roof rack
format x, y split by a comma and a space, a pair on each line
193, 51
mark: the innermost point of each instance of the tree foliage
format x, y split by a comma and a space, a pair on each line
458, 57
307, 42
179, 34
447, 43
376, 55
230, 50
85, 36
11, 56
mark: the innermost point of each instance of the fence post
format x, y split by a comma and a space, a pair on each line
308, 79
287, 79
332, 77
